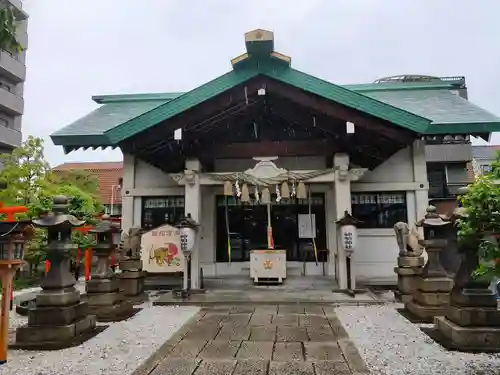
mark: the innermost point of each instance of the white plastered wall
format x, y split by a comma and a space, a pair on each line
377, 251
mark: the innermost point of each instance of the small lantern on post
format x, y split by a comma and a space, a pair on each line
348, 225
188, 229
13, 236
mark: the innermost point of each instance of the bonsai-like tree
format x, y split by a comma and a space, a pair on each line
480, 225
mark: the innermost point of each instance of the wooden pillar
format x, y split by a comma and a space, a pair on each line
7, 270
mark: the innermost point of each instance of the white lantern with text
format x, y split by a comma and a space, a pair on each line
187, 231
348, 226
348, 233
188, 238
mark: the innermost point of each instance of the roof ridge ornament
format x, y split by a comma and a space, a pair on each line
259, 44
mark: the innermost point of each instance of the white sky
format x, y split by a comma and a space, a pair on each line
80, 48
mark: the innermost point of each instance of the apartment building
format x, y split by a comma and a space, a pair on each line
449, 157
483, 158
12, 77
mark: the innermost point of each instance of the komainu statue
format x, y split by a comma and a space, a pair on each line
407, 240
130, 245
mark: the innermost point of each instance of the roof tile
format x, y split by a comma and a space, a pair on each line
108, 175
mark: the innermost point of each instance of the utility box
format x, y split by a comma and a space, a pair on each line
268, 266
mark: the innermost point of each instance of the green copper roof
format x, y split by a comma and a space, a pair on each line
162, 96
90, 129
178, 105
281, 73
423, 107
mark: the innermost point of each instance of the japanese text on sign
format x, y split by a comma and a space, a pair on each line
164, 233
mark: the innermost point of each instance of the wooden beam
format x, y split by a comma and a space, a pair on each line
299, 97
206, 126
349, 142
164, 131
271, 148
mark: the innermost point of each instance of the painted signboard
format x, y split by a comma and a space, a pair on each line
161, 250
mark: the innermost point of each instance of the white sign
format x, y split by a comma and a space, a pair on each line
307, 226
161, 250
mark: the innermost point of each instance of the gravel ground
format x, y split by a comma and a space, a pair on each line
118, 350
391, 345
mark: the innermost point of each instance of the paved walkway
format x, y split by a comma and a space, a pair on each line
242, 290
259, 340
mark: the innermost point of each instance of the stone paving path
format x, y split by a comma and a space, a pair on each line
261, 340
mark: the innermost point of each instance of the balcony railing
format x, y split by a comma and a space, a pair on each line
11, 103
12, 67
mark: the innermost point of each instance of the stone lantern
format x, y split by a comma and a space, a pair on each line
13, 235
103, 292
433, 286
59, 318
188, 229
472, 320
348, 225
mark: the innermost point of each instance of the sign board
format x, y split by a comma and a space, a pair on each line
161, 250
307, 226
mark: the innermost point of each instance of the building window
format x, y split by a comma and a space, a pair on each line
157, 211
4, 122
379, 210
5, 86
485, 168
446, 179
113, 210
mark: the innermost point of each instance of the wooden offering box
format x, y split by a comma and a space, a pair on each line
268, 265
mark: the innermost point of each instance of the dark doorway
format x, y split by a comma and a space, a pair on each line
248, 227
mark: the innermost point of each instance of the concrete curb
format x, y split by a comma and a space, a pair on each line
267, 303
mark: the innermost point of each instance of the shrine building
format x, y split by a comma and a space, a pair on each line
267, 135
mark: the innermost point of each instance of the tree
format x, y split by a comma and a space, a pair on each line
82, 179
8, 30
481, 224
31, 182
26, 173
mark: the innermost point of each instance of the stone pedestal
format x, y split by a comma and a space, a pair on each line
106, 302
472, 321
132, 280
59, 319
58, 325
433, 287
430, 299
408, 269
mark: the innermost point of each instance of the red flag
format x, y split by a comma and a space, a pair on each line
270, 240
